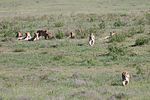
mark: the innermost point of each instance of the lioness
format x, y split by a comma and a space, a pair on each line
72, 35
125, 78
28, 36
45, 33
19, 36
91, 39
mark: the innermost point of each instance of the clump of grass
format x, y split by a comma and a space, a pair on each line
60, 35
57, 58
135, 30
119, 96
142, 41
116, 51
19, 50
102, 25
147, 16
92, 29
59, 24
6, 39
139, 70
44, 52
119, 23
118, 38
119, 50
141, 21
82, 33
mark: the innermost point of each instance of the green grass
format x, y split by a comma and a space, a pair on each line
69, 69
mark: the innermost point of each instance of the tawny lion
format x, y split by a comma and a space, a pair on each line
91, 39
19, 36
28, 36
72, 35
45, 33
110, 35
35, 37
125, 78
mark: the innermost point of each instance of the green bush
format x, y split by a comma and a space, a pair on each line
119, 50
118, 38
60, 35
135, 30
19, 50
59, 24
81, 33
142, 41
102, 25
147, 18
119, 23
116, 51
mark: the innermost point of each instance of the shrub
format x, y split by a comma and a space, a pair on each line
102, 25
135, 30
6, 39
81, 33
60, 34
57, 57
119, 23
59, 24
118, 38
147, 18
141, 21
92, 30
119, 50
141, 41
115, 51
19, 50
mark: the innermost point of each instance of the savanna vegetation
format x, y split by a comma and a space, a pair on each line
69, 69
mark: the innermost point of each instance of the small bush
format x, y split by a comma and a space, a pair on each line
81, 33
147, 18
142, 41
141, 21
60, 35
102, 25
119, 23
6, 39
119, 96
116, 51
135, 30
92, 30
19, 50
59, 24
57, 57
118, 38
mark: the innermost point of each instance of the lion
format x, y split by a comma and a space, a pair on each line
72, 35
110, 35
45, 33
125, 78
28, 36
19, 36
91, 39
35, 37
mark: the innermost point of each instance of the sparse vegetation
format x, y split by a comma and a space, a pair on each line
141, 41
69, 69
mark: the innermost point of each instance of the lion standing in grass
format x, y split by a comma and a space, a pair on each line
125, 78
91, 39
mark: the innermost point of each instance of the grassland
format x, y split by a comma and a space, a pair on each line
69, 69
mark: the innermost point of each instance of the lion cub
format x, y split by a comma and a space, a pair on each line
125, 78
91, 39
